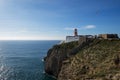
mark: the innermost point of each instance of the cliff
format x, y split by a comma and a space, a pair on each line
91, 60
56, 55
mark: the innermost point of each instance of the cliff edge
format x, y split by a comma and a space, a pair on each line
56, 55
91, 60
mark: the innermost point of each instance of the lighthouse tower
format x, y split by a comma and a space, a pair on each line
75, 32
73, 38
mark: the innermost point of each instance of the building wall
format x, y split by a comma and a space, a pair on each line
72, 38
77, 38
104, 36
85, 39
108, 36
82, 39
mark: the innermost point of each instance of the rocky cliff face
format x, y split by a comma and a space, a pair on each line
56, 55
99, 61
92, 60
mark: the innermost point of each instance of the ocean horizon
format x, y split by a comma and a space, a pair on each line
22, 59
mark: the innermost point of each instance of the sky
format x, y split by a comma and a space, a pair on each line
55, 19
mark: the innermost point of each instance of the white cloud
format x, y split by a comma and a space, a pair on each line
89, 27
81, 28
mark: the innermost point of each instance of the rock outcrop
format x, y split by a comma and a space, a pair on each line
90, 60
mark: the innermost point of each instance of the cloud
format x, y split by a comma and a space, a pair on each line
81, 28
89, 27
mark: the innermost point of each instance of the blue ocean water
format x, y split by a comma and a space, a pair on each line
22, 60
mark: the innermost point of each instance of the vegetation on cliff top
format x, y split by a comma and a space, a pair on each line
100, 60
69, 45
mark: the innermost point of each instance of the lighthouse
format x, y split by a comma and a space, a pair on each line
75, 32
73, 38
76, 36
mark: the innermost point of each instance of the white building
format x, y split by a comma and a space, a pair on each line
72, 38
76, 37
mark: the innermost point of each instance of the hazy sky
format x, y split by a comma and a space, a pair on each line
54, 19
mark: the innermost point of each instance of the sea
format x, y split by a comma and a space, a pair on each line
23, 60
